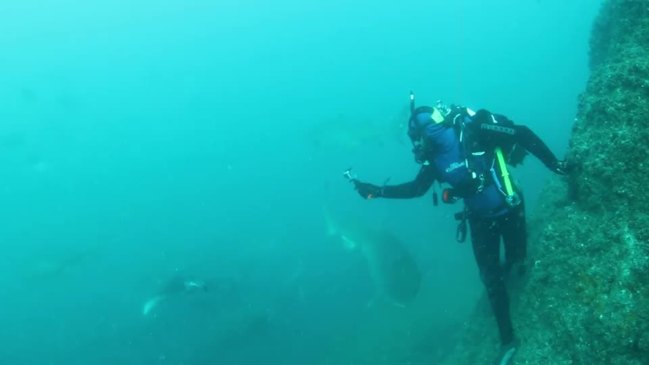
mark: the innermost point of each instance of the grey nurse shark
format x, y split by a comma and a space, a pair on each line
393, 269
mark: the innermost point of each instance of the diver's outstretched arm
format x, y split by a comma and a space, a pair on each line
412, 189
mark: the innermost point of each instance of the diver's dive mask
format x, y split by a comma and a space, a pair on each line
420, 119
419, 152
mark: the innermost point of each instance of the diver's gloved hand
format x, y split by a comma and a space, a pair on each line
367, 190
560, 167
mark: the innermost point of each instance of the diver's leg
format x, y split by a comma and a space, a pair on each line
514, 230
485, 237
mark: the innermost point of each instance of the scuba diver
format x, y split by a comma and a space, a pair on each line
470, 150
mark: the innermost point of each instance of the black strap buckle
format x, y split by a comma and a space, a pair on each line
460, 232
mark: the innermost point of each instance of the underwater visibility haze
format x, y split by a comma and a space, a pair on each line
171, 189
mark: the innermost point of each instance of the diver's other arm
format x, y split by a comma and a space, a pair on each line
531, 142
412, 189
500, 130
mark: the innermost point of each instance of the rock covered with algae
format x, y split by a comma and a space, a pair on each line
585, 298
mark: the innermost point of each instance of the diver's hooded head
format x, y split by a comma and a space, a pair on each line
428, 130
426, 120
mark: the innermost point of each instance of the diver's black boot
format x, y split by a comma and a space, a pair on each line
507, 352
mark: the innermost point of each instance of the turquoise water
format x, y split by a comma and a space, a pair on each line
150, 139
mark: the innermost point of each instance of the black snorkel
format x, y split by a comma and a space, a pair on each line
412, 104
411, 127
417, 149
415, 131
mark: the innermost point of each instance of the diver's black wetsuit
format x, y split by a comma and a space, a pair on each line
448, 162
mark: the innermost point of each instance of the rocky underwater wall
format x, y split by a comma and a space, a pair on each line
585, 298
